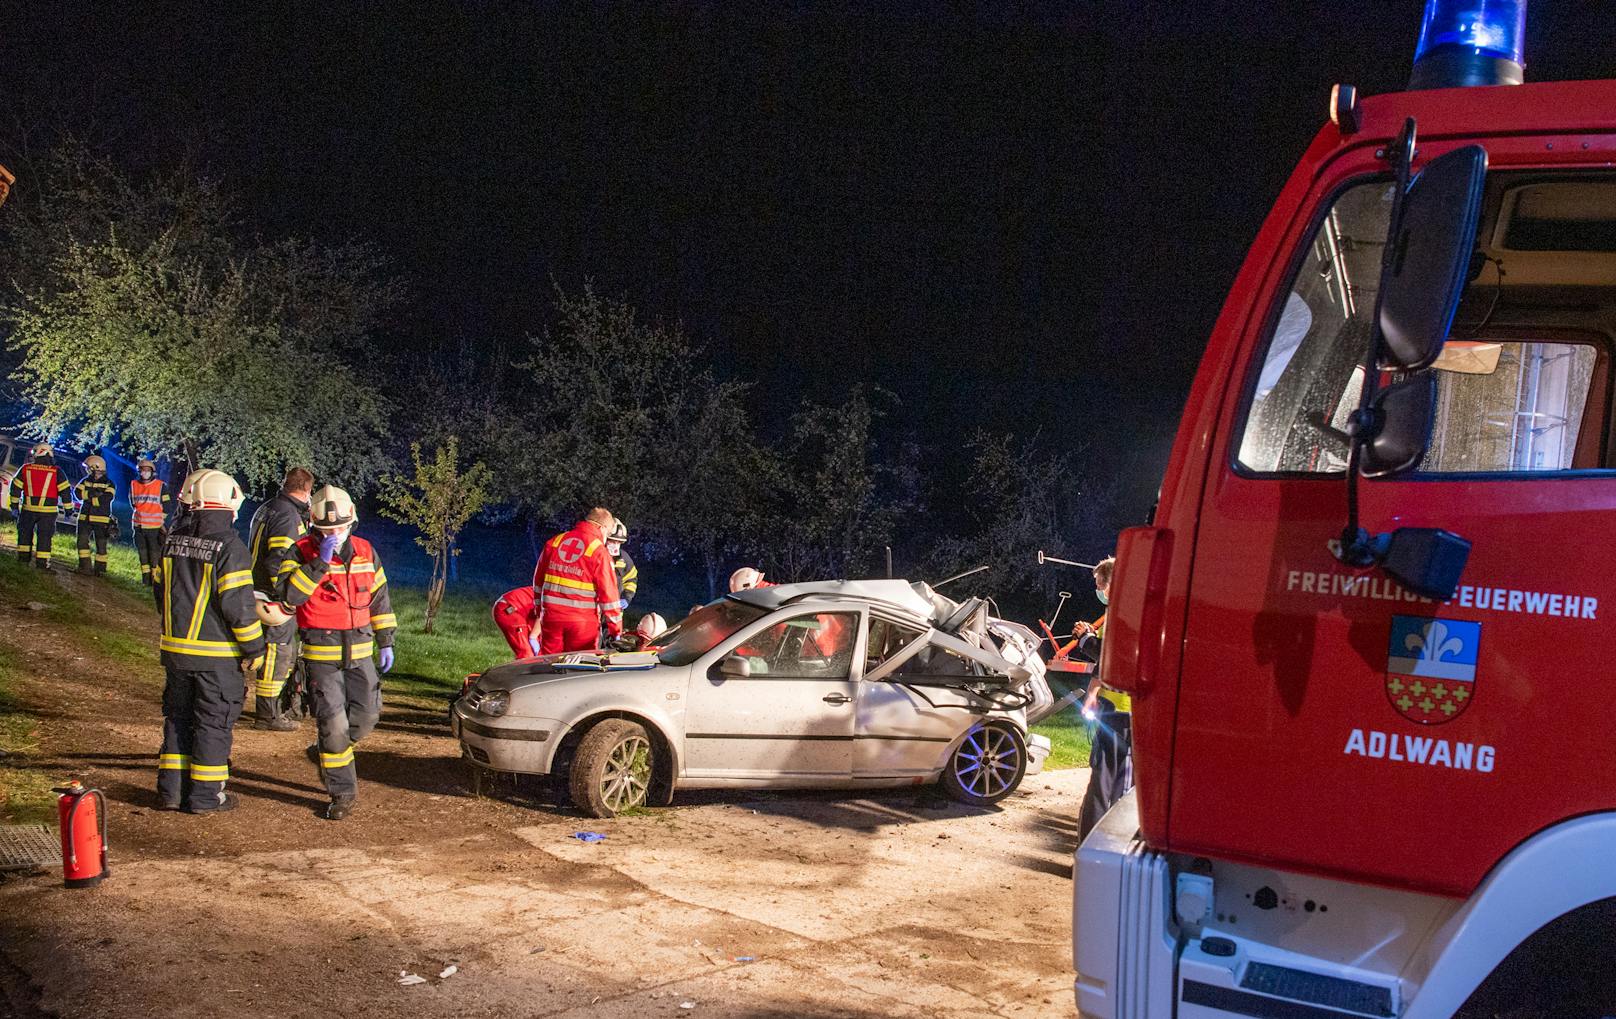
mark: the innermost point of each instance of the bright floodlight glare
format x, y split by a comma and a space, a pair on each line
1495, 28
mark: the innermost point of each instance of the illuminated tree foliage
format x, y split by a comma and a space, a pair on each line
437, 501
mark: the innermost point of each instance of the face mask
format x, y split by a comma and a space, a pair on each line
341, 533
1103, 594
145, 475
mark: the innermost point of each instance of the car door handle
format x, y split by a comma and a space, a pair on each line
836, 698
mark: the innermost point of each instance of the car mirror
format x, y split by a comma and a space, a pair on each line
1405, 411
735, 667
1428, 257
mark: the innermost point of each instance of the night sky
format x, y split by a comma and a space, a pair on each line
1019, 215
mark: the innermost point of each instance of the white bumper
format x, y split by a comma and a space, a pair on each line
524, 746
1121, 945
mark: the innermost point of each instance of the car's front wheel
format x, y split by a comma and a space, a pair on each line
612, 769
987, 766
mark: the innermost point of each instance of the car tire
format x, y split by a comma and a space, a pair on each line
987, 766
612, 769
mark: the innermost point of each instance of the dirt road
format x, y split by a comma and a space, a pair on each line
726, 905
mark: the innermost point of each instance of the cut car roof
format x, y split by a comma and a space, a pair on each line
898, 594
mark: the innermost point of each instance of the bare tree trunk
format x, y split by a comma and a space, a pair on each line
434, 589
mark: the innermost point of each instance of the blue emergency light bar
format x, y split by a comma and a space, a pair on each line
1471, 42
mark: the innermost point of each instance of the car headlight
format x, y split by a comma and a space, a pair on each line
495, 704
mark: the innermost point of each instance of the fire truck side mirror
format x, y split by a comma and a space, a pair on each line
1404, 415
1428, 258
1426, 560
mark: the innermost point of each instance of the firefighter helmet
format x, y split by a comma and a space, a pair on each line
95, 463
331, 508
651, 626
619, 532
145, 462
43, 449
215, 490
270, 613
745, 578
188, 486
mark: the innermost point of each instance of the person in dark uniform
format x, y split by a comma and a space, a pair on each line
203, 588
1111, 752
94, 498
277, 524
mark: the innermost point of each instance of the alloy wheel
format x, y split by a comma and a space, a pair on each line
627, 777
987, 762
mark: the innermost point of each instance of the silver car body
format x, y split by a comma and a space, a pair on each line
879, 726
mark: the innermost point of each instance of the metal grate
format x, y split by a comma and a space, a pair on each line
26, 846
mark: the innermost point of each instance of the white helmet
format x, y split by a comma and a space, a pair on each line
331, 508
214, 490
744, 579
619, 532
43, 449
270, 613
651, 626
95, 463
188, 485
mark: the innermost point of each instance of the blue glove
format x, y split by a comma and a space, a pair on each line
533, 642
329, 544
385, 657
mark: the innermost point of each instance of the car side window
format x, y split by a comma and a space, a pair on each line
933, 662
817, 646
886, 639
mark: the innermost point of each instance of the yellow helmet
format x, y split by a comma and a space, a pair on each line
214, 490
145, 461
95, 463
330, 507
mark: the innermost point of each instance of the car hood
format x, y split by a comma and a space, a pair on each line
573, 665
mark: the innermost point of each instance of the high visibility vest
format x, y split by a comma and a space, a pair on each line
150, 501
574, 578
39, 488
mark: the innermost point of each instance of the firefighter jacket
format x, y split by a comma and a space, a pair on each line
628, 577
38, 488
277, 524
95, 499
344, 610
203, 588
149, 500
575, 581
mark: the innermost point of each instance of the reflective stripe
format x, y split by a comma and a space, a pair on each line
172, 762
301, 581
341, 760
168, 595
590, 549
359, 567
582, 585
385, 621
551, 599
231, 581
40, 507
97, 520
209, 772
200, 648
381, 580
333, 652
287, 566
249, 633
279, 541
204, 592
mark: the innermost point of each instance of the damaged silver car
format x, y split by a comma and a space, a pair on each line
845, 684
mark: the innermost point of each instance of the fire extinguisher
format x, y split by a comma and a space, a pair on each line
82, 815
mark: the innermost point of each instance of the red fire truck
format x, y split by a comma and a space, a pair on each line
1365, 632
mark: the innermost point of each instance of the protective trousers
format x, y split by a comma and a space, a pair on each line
347, 703
149, 547
199, 710
100, 533
280, 654
1111, 764
559, 633
36, 530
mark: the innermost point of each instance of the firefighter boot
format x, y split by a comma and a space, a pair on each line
339, 808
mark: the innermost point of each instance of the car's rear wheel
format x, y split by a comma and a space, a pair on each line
987, 766
612, 769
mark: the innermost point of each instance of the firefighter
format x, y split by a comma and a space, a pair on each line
277, 524
628, 575
335, 582
576, 588
36, 492
1111, 756
203, 587
516, 614
746, 578
93, 495
148, 503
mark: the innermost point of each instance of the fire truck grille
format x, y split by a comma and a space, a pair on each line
26, 846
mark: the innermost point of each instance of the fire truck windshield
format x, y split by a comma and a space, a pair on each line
1523, 382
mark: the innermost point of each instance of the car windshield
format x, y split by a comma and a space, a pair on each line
699, 632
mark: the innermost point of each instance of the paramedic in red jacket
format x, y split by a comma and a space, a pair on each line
577, 588
516, 614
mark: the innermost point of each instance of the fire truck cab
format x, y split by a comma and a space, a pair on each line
1376, 766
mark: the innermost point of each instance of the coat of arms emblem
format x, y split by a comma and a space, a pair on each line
1431, 667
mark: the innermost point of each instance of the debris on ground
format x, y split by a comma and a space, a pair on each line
410, 979
449, 972
687, 1004
588, 836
